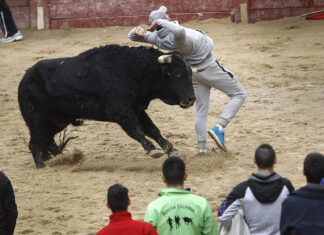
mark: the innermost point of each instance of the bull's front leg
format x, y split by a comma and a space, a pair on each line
132, 127
153, 132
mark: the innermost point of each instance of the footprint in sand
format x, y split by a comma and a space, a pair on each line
27, 231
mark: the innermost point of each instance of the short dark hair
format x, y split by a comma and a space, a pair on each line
117, 198
314, 167
265, 156
174, 170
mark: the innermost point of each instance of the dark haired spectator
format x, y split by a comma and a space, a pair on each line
260, 196
7, 24
177, 211
121, 222
8, 207
303, 210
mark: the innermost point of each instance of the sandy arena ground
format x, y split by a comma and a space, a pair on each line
280, 65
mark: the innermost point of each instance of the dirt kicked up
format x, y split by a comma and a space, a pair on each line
280, 65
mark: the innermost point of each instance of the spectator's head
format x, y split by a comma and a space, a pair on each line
158, 14
117, 198
265, 157
174, 172
314, 168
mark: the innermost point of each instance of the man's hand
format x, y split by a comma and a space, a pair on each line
140, 32
153, 26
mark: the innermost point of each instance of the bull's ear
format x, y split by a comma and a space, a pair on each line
163, 59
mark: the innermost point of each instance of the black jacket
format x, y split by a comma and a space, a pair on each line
303, 211
8, 208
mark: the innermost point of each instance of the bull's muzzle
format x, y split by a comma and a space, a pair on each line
188, 103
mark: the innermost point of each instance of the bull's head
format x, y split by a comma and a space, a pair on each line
178, 76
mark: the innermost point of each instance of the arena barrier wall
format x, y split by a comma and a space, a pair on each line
102, 13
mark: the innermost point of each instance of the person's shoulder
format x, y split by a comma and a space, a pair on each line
286, 180
142, 225
241, 187
200, 200
287, 183
292, 197
3, 178
197, 197
155, 202
242, 184
104, 230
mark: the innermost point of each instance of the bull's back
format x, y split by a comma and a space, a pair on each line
102, 73
84, 85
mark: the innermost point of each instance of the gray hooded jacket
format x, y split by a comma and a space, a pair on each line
193, 45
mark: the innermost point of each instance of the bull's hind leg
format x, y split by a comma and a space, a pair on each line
40, 142
132, 127
37, 153
153, 132
39, 149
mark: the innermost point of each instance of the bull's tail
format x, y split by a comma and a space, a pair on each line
64, 140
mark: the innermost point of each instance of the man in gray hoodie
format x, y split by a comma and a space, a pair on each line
260, 196
196, 47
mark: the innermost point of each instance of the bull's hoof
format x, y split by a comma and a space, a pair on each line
40, 165
155, 153
174, 153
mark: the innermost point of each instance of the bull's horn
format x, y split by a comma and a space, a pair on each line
194, 70
164, 59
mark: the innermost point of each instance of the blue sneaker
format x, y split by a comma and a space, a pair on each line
218, 136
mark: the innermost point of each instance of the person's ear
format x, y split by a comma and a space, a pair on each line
254, 160
304, 173
128, 202
108, 206
185, 176
164, 179
275, 161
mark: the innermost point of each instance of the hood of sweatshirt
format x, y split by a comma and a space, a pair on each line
311, 191
266, 188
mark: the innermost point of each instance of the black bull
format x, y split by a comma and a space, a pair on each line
111, 83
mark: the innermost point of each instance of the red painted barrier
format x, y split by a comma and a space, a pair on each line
102, 13
318, 16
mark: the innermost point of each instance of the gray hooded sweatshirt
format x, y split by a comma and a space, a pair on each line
192, 44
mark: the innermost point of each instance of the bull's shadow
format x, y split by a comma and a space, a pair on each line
111, 83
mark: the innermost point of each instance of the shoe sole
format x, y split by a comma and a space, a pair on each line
215, 138
18, 38
156, 153
203, 154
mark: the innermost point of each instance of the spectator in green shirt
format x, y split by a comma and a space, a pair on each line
177, 211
